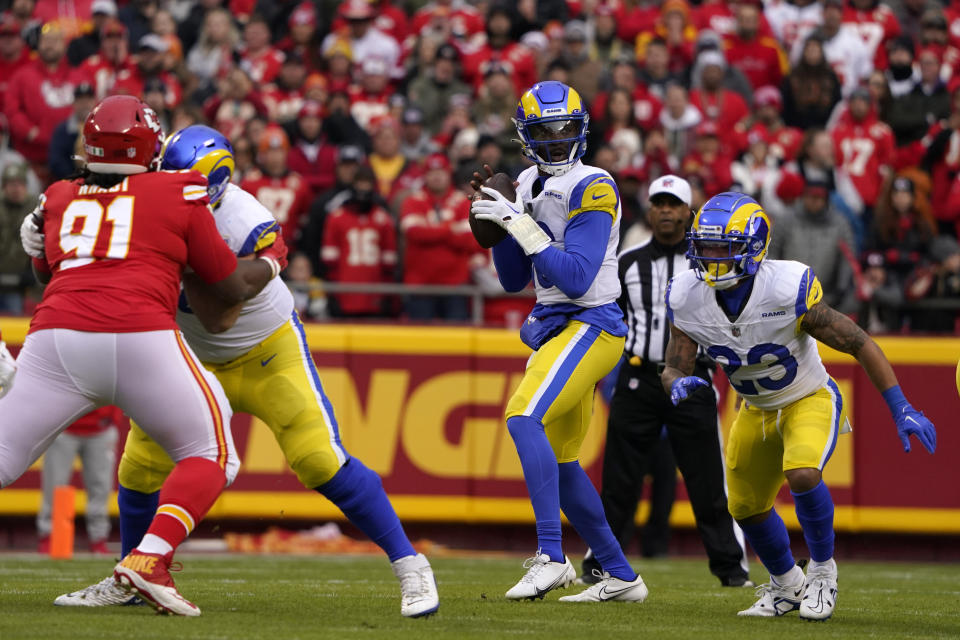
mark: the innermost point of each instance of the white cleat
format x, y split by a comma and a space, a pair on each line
774, 601
418, 587
106, 593
610, 588
542, 576
820, 597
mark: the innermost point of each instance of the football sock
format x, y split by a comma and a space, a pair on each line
815, 513
792, 578
582, 506
185, 497
771, 542
358, 493
542, 477
136, 514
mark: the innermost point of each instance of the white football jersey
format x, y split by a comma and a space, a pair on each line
241, 221
583, 188
769, 360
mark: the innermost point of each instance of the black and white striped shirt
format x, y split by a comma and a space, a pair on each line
644, 272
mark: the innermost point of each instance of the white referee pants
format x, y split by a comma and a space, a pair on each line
153, 376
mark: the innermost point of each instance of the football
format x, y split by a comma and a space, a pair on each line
490, 233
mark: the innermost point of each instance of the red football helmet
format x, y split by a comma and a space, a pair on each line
121, 135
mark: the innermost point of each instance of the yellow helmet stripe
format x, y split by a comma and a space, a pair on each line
574, 103
530, 105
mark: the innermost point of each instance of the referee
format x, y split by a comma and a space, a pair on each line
640, 408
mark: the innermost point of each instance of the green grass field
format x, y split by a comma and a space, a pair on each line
288, 597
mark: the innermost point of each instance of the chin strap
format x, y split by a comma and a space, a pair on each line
528, 234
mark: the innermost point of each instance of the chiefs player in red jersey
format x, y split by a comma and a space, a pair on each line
114, 244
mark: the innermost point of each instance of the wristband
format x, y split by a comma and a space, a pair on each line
274, 266
528, 234
895, 399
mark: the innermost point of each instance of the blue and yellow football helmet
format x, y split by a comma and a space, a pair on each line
202, 149
728, 239
552, 124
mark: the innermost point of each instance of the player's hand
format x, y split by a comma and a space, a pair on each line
912, 422
31, 235
276, 254
478, 179
8, 369
683, 388
499, 210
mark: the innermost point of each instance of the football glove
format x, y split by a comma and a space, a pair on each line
512, 217
31, 234
910, 421
8, 368
683, 388
275, 255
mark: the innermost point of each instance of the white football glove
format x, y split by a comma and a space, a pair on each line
31, 231
512, 217
8, 368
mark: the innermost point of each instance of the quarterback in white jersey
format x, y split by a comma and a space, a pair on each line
760, 320
259, 353
563, 229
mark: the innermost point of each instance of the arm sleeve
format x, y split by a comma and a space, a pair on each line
207, 254
514, 267
575, 268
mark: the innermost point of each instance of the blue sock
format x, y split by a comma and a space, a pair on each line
358, 492
540, 473
770, 541
136, 513
815, 513
582, 506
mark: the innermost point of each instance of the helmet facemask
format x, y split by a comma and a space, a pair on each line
554, 144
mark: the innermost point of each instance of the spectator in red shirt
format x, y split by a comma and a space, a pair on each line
259, 59
760, 57
100, 70
707, 161
285, 193
369, 99
438, 241
311, 155
13, 53
864, 149
39, 97
149, 66
285, 97
501, 49
646, 106
724, 107
303, 39
678, 33
235, 104
462, 20
359, 246
783, 141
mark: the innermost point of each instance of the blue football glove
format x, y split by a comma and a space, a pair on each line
913, 422
910, 421
683, 388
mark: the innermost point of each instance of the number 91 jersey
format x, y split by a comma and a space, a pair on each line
769, 360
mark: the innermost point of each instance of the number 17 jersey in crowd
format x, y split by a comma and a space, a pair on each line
768, 358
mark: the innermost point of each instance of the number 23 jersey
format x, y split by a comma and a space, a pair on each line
768, 358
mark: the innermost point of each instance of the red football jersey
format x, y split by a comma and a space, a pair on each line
439, 243
863, 149
117, 254
287, 198
359, 247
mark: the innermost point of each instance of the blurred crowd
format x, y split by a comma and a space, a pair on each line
358, 123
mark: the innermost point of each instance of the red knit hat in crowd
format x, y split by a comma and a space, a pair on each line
436, 161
